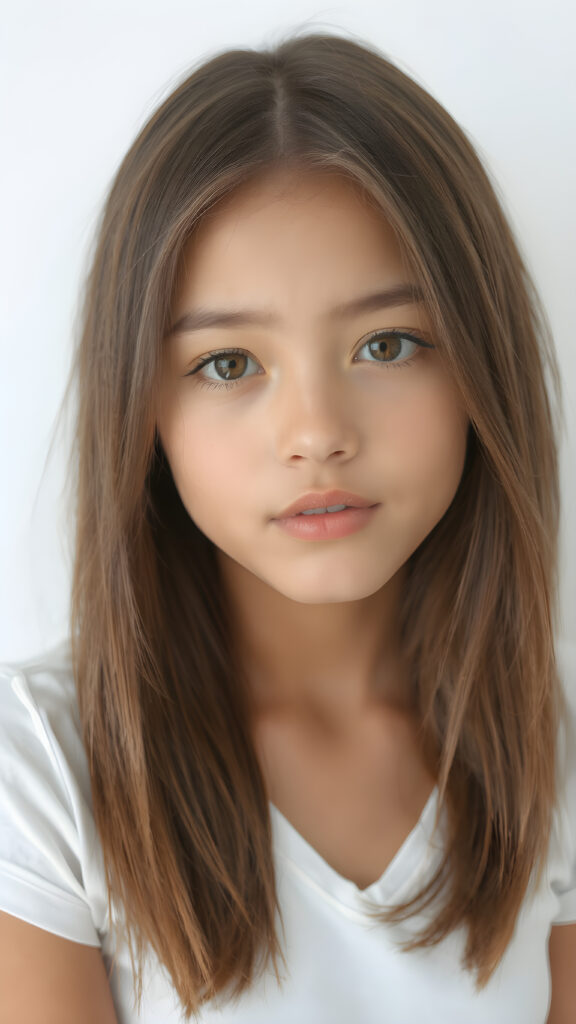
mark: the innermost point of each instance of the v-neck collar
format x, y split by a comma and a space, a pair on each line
412, 857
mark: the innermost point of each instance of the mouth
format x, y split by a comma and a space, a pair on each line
327, 526
327, 503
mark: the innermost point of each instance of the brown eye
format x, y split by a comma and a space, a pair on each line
222, 369
386, 348
393, 348
230, 367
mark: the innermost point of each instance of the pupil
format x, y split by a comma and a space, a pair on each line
232, 362
388, 348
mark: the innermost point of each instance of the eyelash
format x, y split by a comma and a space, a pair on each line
375, 335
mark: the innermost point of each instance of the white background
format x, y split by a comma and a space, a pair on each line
78, 79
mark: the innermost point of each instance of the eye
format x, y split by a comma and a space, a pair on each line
230, 364
391, 348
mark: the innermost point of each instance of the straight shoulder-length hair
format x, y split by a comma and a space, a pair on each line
179, 799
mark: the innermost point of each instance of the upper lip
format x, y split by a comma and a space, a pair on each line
317, 500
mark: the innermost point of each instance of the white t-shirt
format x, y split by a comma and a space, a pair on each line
342, 966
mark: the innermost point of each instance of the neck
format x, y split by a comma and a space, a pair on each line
339, 660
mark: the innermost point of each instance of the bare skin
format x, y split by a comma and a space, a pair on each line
354, 790
562, 956
310, 409
316, 624
45, 979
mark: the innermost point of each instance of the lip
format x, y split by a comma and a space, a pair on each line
327, 526
317, 500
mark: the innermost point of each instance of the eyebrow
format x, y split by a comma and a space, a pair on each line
199, 319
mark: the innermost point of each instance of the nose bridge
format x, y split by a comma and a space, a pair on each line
313, 417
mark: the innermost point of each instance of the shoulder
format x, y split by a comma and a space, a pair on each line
50, 860
39, 721
44, 682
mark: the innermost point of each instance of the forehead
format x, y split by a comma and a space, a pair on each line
299, 231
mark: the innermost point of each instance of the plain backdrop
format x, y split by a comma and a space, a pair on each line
78, 79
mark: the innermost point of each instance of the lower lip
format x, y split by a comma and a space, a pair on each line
327, 525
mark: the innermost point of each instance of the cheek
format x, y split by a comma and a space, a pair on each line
431, 436
205, 462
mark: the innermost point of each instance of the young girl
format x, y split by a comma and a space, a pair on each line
306, 757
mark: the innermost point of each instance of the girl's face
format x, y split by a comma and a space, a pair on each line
322, 396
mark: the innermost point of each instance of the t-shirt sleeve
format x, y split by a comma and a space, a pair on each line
46, 829
564, 883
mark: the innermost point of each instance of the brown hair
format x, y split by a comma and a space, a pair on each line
179, 799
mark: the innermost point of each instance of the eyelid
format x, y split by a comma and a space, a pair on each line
217, 352
419, 337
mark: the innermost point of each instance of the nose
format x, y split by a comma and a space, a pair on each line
315, 422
